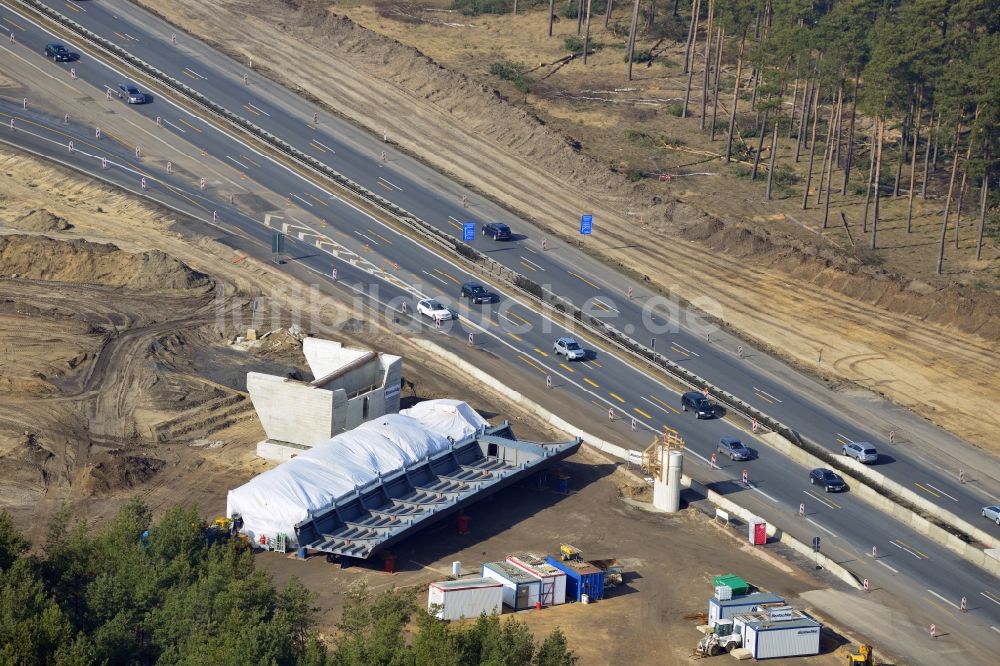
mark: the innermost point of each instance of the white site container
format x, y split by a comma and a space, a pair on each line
521, 590
785, 633
553, 579
469, 598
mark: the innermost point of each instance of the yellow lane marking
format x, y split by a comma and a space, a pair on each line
670, 407
196, 129
375, 233
829, 503
440, 272
639, 411
514, 335
905, 546
530, 268
317, 146
7, 20
315, 198
926, 489
541, 352
251, 161
679, 351
570, 369
531, 363
192, 76
597, 364
763, 398
592, 383
519, 318
384, 186
453, 222
530, 250
121, 35
601, 305
617, 397
73, 7
583, 279
598, 404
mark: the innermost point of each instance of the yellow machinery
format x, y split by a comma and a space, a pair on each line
568, 552
657, 452
863, 657
224, 524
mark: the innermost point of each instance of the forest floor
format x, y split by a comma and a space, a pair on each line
884, 322
119, 378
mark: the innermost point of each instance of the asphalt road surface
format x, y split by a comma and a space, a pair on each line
366, 253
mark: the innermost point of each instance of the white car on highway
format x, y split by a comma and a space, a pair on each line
434, 310
992, 513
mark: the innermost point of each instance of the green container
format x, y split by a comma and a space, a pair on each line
734, 582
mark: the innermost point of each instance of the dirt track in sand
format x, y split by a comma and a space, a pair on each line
917, 343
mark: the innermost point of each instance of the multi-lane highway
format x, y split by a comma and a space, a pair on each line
510, 331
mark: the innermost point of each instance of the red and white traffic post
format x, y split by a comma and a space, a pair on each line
802, 509
403, 305
705, 391
746, 478
712, 462
104, 162
142, 183
246, 80
635, 426
472, 340
24, 103
437, 323
138, 151
892, 436
97, 133
12, 123
72, 72
173, 39
611, 413
333, 273
630, 293
739, 350
70, 146
201, 184
66, 119
754, 425
864, 584
964, 605
548, 381
543, 244
465, 201
109, 94
874, 552
933, 631
961, 472
159, 121
215, 216
170, 167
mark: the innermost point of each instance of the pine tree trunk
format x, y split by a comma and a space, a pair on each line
650, 17
812, 149
850, 136
607, 14
586, 34
579, 17
708, 65
676, 4
947, 203
927, 155
690, 73
827, 156
695, 8
515, 8
631, 37
755, 76
838, 131
760, 147
791, 116
913, 160
826, 172
878, 181
829, 186
871, 178
774, 152
736, 99
984, 200
962, 188
718, 66
934, 154
806, 100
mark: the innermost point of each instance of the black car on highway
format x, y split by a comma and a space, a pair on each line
59, 53
497, 230
697, 403
828, 479
476, 293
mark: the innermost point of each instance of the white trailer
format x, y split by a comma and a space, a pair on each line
457, 599
521, 590
781, 632
553, 579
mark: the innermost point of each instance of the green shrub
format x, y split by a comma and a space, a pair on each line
742, 171
676, 109
639, 138
640, 56
511, 71
573, 43
477, 7
748, 132
785, 176
635, 175
666, 62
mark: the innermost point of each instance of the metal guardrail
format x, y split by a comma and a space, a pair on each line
527, 287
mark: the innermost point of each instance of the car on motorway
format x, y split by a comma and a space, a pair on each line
476, 293
828, 479
697, 403
59, 53
733, 448
131, 94
497, 230
569, 348
433, 309
863, 452
992, 513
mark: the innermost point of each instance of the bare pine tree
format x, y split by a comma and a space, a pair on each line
806, 100
760, 146
586, 34
878, 180
718, 65
695, 9
983, 201
791, 116
871, 178
913, 160
963, 187
812, 149
736, 99
631, 37
708, 66
694, 48
552, 14
774, 152
947, 203
607, 14
850, 136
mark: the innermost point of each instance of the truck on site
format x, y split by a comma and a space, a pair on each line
723, 638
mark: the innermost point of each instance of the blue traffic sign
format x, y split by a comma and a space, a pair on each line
468, 231
586, 224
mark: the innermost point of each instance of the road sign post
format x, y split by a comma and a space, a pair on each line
277, 246
586, 224
468, 231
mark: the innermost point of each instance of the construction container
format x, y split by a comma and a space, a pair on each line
582, 578
727, 609
733, 582
553, 580
780, 632
457, 599
521, 590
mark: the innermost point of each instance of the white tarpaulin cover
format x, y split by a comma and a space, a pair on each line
452, 418
276, 500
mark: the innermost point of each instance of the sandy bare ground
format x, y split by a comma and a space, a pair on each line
911, 341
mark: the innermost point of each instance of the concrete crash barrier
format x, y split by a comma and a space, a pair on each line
880, 501
456, 361
512, 279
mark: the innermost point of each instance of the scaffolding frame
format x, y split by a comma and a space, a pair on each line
655, 455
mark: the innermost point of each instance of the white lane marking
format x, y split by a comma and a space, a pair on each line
193, 73
685, 350
607, 305
321, 145
904, 548
176, 127
390, 184
308, 203
995, 629
990, 598
947, 601
236, 161
844, 437
370, 239
258, 109
821, 527
431, 275
529, 261
760, 390
819, 499
940, 491
131, 37
895, 571
753, 487
661, 407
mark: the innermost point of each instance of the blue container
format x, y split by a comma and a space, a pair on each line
581, 578
563, 486
302, 552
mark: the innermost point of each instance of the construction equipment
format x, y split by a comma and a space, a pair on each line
656, 453
569, 553
865, 656
722, 639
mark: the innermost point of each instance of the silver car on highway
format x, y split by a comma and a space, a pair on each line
863, 452
992, 513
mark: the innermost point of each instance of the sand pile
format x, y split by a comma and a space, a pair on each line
40, 220
82, 262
